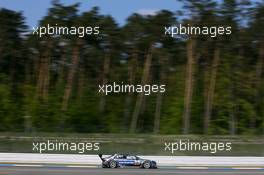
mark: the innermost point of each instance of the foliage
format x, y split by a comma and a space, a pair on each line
36, 72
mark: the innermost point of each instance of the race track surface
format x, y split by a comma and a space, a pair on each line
100, 171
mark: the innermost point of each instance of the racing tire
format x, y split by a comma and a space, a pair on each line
112, 164
147, 165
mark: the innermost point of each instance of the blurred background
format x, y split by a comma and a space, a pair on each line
214, 86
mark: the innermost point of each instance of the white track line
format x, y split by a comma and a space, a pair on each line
81, 166
247, 168
27, 165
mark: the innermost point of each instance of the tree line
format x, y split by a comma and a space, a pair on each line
213, 85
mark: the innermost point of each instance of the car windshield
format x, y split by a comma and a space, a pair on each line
120, 157
131, 157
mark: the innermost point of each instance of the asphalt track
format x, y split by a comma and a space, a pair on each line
100, 171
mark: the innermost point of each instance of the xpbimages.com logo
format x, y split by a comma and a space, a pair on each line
187, 145
80, 31
57, 146
129, 88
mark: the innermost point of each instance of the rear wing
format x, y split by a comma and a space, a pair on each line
101, 157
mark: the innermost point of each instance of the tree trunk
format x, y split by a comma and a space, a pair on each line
259, 73
40, 76
140, 96
260, 65
131, 80
156, 128
61, 71
104, 81
46, 78
81, 80
69, 85
70, 81
211, 89
233, 117
232, 122
43, 74
188, 86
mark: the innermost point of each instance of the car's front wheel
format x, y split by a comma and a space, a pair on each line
147, 164
112, 164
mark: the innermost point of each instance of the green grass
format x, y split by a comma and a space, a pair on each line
143, 144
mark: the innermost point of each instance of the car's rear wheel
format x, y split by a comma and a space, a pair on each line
146, 164
112, 164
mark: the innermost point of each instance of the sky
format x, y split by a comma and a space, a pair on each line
34, 10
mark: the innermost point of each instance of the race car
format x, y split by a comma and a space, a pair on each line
122, 160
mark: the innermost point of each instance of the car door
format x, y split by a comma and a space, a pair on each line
121, 159
131, 160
